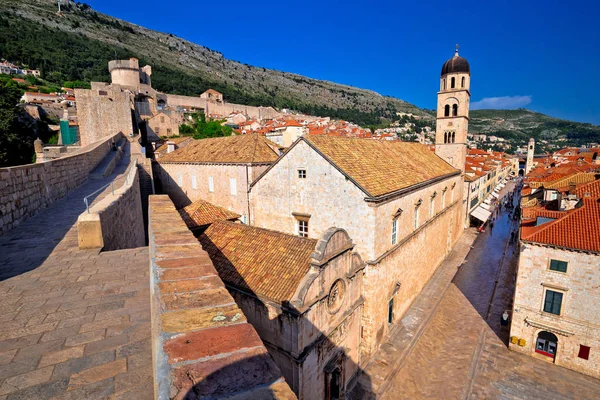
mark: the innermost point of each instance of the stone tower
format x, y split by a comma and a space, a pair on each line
530, 151
453, 111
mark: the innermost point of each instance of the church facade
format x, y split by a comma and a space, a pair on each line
401, 203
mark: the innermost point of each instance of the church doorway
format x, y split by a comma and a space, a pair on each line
335, 387
334, 378
546, 344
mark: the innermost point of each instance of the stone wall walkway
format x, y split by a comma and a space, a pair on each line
74, 324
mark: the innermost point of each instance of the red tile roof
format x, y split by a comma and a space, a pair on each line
201, 213
267, 263
579, 229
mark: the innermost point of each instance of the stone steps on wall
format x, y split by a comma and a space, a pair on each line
108, 164
146, 189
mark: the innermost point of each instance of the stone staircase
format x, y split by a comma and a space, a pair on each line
108, 164
146, 189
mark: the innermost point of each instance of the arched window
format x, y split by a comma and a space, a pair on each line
454, 110
452, 83
444, 85
453, 136
463, 82
445, 137
546, 344
447, 110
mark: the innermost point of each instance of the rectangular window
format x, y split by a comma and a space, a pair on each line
391, 311
211, 184
557, 265
168, 132
302, 173
232, 186
416, 218
553, 302
584, 352
179, 180
303, 228
194, 182
431, 207
157, 130
395, 231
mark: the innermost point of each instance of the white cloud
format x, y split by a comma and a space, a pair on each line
501, 103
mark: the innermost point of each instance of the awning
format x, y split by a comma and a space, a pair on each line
485, 206
481, 214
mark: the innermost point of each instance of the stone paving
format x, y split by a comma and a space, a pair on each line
74, 324
461, 352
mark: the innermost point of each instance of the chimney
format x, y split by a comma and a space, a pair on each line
170, 147
572, 187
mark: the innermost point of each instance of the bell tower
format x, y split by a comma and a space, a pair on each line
530, 151
453, 111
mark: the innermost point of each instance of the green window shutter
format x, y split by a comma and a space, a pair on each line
553, 302
557, 265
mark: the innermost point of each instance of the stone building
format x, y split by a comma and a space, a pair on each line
395, 199
303, 297
212, 96
218, 170
556, 312
530, 152
163, 125
453, 111
103, 110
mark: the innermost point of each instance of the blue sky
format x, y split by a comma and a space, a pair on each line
541, 55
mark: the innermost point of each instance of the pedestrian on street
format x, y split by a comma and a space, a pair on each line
491, 227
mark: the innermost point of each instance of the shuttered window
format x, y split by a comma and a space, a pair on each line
211, 184
553, 302
232, 186
194, 182
557, 265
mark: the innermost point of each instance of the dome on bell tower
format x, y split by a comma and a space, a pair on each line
456, 64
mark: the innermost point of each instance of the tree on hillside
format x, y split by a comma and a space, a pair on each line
199, 128
16, 140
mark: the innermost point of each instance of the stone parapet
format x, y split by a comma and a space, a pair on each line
116, 222
26, 189
203, 346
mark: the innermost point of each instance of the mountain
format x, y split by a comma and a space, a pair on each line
521, 124
77, 44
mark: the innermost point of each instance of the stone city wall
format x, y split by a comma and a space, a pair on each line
578, 323
25, 189
202, 344
103, 111
116, 222
224, 109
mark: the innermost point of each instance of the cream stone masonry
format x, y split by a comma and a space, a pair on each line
103, 111
530, 153
578, 323
225, 185
26, 189
116, 222
396, 271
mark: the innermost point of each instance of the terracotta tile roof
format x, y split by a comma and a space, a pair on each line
578, 229
179, 142
582, 177
267, 263
591, 189
202, 213
381, 167
230, 149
